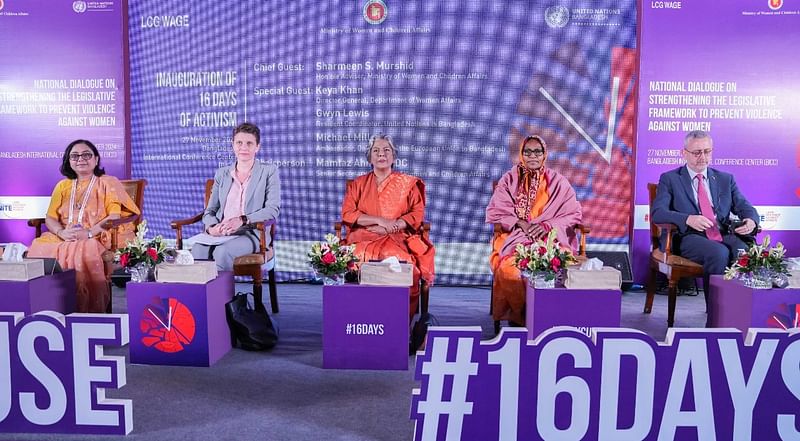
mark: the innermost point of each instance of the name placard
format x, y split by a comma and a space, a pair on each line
618, 385
54, 374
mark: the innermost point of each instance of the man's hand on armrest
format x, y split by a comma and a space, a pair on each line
746, 228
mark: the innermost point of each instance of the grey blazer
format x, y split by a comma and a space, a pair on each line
263, 197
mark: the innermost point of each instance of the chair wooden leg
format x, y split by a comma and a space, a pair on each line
672, 298
110, 299
258, 291
496, 327
491, 299
273, 291
651, 290
424, 292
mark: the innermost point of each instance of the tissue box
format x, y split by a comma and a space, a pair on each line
26, 270
794, 278
607, 278
199, 272
377, 273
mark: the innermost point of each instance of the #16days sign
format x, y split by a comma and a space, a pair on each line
618, 385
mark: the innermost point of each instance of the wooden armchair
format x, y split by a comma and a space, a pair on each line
664, 262
135, 189
424, 288
248, 264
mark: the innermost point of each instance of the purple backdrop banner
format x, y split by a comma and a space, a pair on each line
729, 68
62, 79
621, 385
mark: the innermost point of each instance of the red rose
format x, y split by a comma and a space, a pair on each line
351, 265
328, 258
152, 253
523, 264
765, 253
123, 259
555, 263
542, 251
744, 260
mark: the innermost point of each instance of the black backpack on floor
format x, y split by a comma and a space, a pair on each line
252, 328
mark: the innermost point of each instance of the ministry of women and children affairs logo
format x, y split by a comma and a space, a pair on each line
556, 16
375, 11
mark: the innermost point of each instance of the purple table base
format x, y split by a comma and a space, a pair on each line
365, 327
54, 292
580, 308
733, 305
206, 303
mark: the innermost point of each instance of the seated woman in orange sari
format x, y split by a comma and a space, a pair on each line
383, 211
528, 202
79, 207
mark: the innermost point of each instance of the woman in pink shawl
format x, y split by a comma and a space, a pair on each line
528, 202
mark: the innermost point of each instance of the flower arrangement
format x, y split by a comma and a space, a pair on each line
331, 258
141, 251
543, 257
759, 259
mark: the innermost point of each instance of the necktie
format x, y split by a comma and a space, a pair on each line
707, 210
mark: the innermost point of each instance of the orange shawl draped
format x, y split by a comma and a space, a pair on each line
400, 196
85, 256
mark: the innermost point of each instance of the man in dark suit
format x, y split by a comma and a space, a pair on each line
700, 200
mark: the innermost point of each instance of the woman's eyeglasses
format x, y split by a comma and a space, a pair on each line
77, 156
529, 152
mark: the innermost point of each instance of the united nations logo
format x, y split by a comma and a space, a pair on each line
375, 11
556, 16
79, 6
2, 4
775, 4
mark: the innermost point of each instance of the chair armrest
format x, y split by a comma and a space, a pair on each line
669, 229
37, 223
425, 231
337, 229
178, 225
584, 230
114, 223
188, 221
262, 227
497, 230
111, 226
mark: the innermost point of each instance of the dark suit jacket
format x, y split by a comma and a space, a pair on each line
675, 200
262, 199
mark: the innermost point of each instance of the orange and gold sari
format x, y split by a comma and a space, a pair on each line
400, 196
107, 197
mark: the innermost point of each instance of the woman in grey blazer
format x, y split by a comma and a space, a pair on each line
244, 192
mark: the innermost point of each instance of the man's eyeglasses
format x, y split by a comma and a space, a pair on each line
698, 153
529, 152
85, 156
